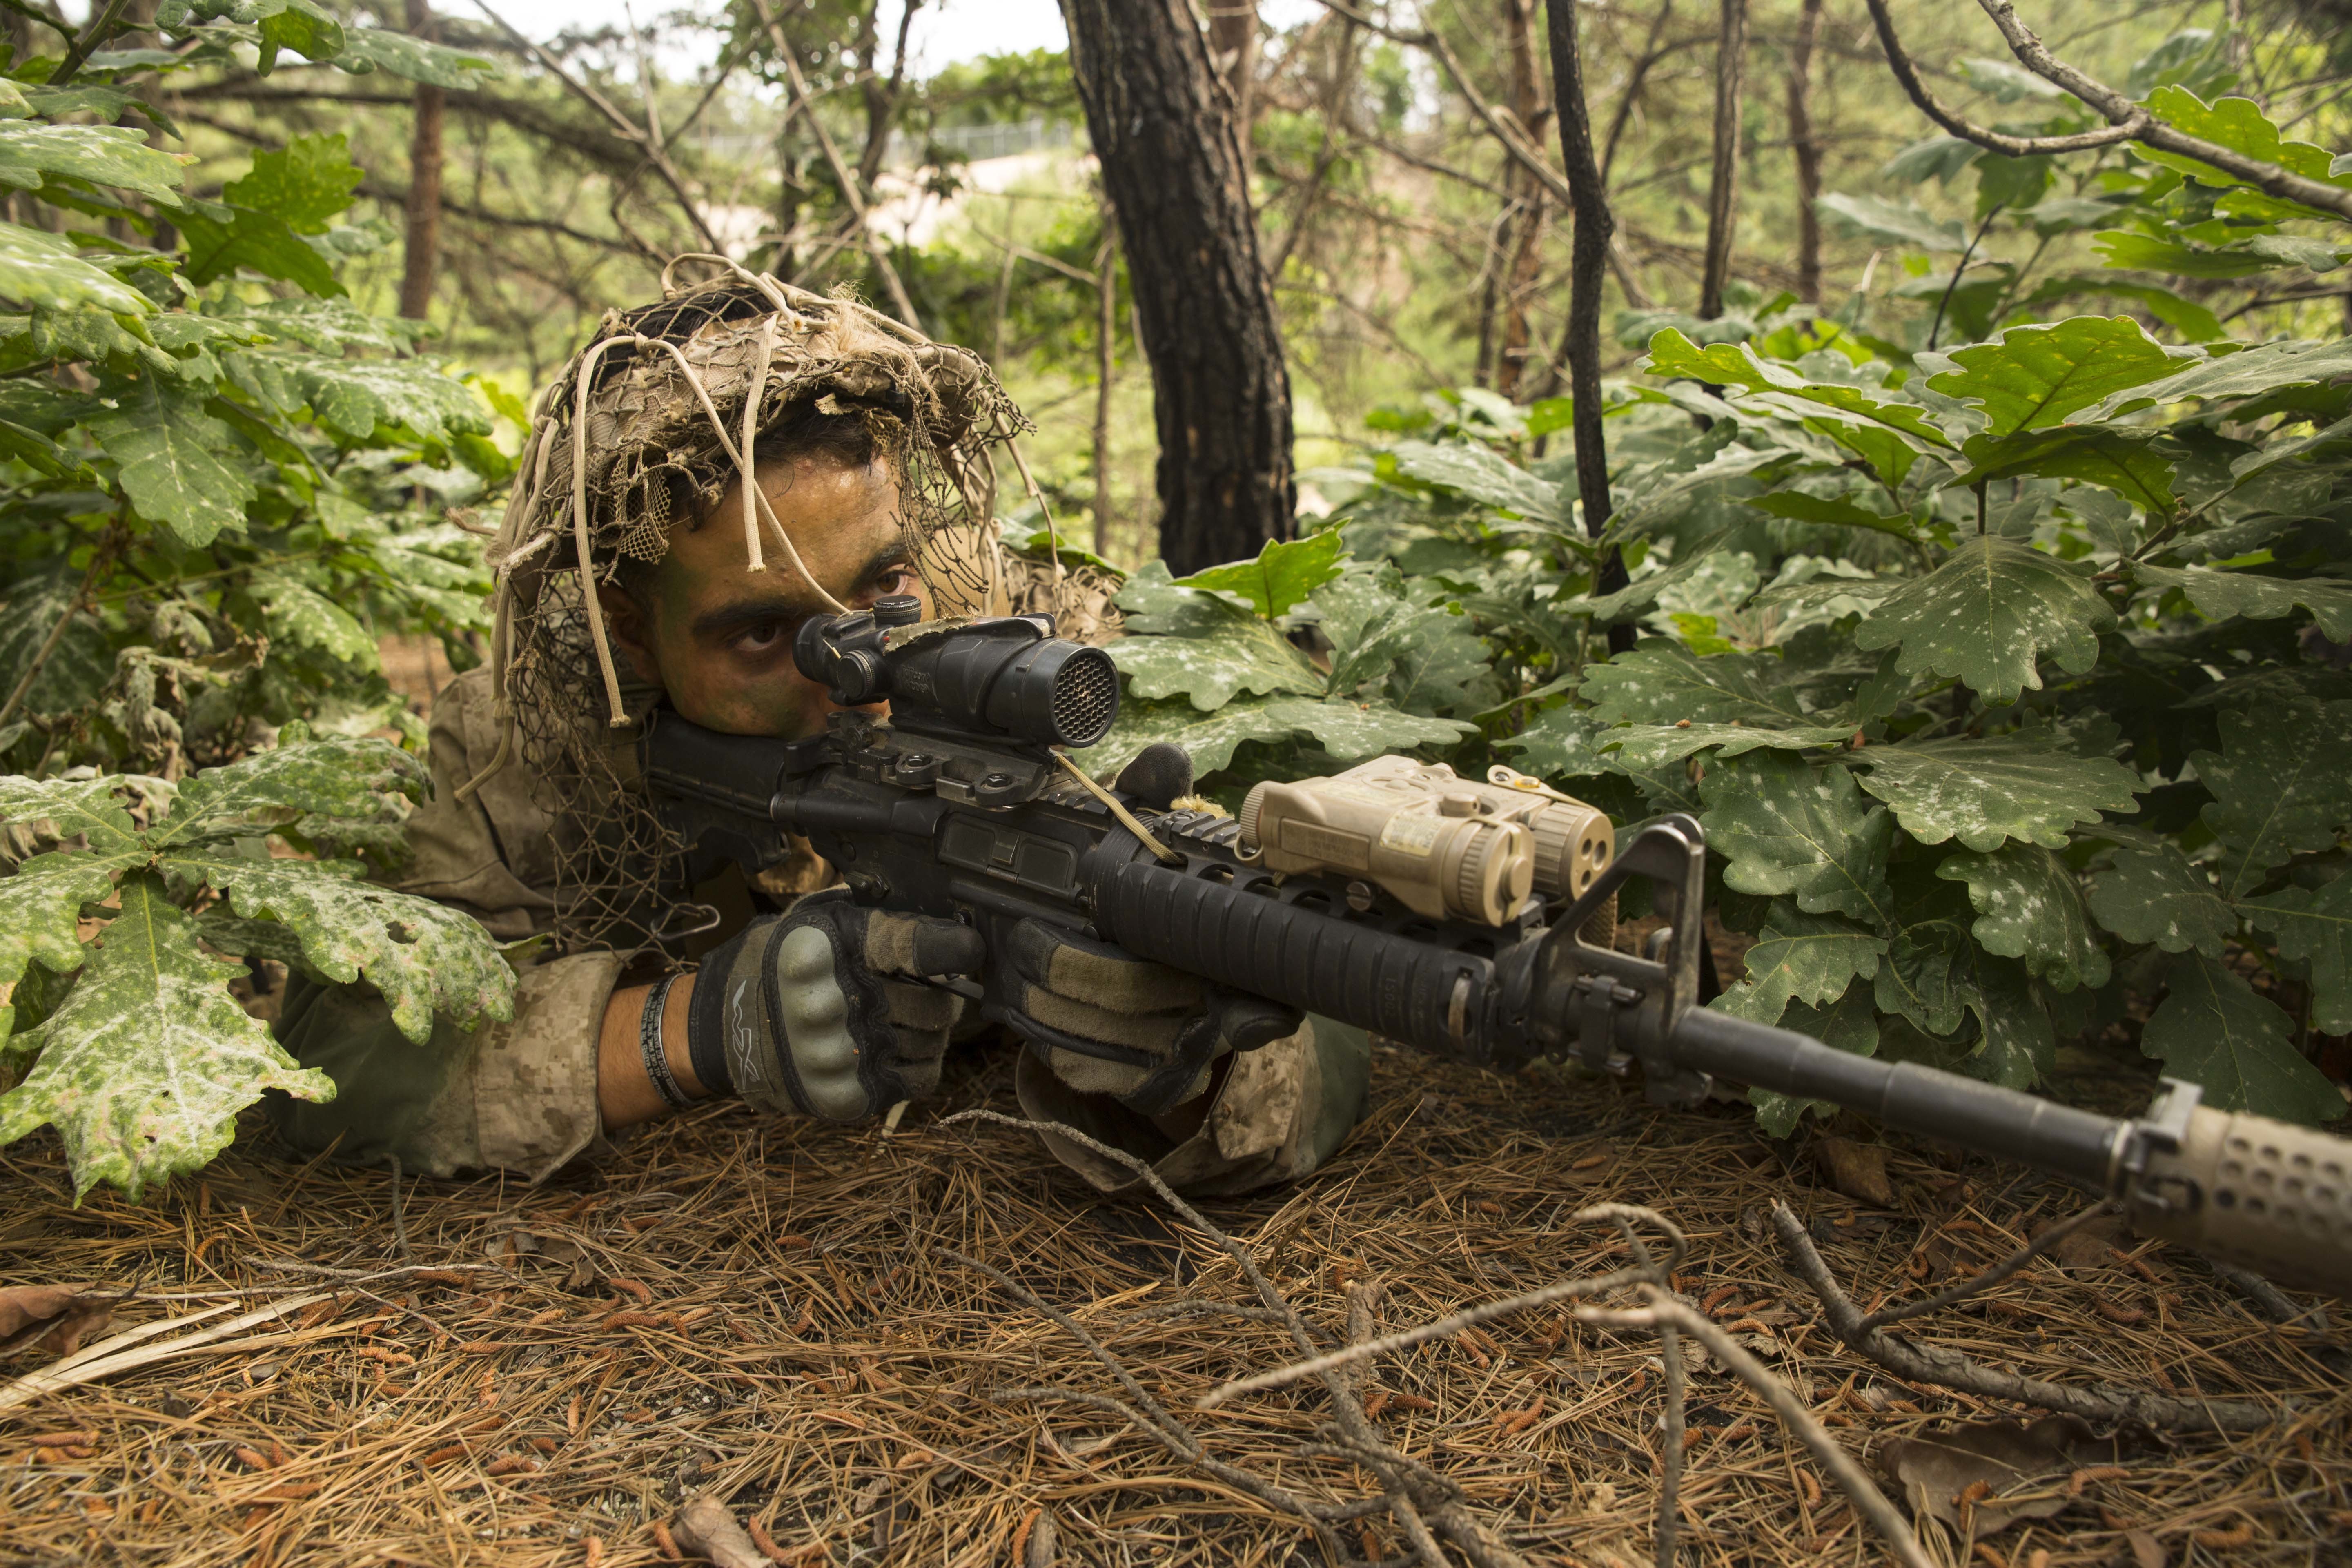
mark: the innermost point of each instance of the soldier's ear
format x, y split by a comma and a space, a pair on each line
624, 621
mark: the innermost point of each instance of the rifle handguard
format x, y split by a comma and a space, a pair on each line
2274, 1198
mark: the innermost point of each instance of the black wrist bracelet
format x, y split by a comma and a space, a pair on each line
705, 1015
649, 1043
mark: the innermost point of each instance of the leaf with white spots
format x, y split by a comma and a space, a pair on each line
1800, 958
1790, 829
2213, 1030
40, 908
2282, 786
145, 1065
1988, 615
2151, 893
2028, 906
2316, 926
2031, 785
2032, 377
71, 808
329, 788
426, 958
1661, 681
1646, 746
1479, 474
2222, 594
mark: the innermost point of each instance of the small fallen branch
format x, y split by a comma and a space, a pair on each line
1916, 1363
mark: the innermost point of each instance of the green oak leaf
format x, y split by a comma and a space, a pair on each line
1642, 747
2222, 594
1803, 958
45, 270
1987, 615
1849, 1025
1284, 572
1352, 730
369, 49
1245, 655
1928, 974
169, 453
2153, 894
1210, 739
2030, 785
1736, 365
352, 397
257, 242
2016, 1043
145, 1065
2031, 377
1560, 743
2213, 1030
2282, 786
1637, 597
40, 907
1799, 507
336, 781
102, 154
426, 958
2316, 926
2237, 123
73, 808
2123, 461
297, 25
1479, 474
1789, 830
1661, 681
306, 182
2250, 372
302, 616
2030, 906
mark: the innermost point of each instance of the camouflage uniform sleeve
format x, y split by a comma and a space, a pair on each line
1278, 1113
519, 1096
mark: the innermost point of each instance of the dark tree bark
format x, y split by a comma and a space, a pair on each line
1723, 188
1524, 250
1807, 149
1172, 170
1588, 269
421, 251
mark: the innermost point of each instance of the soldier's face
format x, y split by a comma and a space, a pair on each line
718, 638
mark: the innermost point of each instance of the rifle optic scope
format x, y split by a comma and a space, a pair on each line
987, 675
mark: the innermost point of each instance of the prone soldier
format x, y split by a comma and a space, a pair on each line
710, 471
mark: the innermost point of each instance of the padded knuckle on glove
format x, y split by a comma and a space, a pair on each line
809, 1012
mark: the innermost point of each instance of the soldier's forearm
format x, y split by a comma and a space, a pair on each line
626, 1094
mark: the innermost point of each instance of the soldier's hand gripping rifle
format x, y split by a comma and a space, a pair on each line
1443, 912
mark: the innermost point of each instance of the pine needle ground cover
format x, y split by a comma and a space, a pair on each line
762, 1312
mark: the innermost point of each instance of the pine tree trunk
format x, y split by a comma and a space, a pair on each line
1172, 170
1807, 148
421, 256
1723, 189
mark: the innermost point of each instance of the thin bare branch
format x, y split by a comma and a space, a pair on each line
1930, 1364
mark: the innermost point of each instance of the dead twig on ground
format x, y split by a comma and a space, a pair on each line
1932, 1364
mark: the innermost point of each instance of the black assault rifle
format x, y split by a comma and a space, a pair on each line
1446, 914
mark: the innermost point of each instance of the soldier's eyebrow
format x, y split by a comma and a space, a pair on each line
742, 615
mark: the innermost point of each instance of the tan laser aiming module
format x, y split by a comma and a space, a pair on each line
1441, 845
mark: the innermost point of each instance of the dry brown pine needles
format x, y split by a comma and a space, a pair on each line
765, 1313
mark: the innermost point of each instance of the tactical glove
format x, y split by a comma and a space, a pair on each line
813, 1010
1109, 1023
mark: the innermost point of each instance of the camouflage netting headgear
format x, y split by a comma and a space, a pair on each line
646, 431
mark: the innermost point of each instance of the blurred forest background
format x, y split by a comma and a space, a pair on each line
1405, 248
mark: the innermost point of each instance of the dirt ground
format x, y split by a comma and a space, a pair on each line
760, 1311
